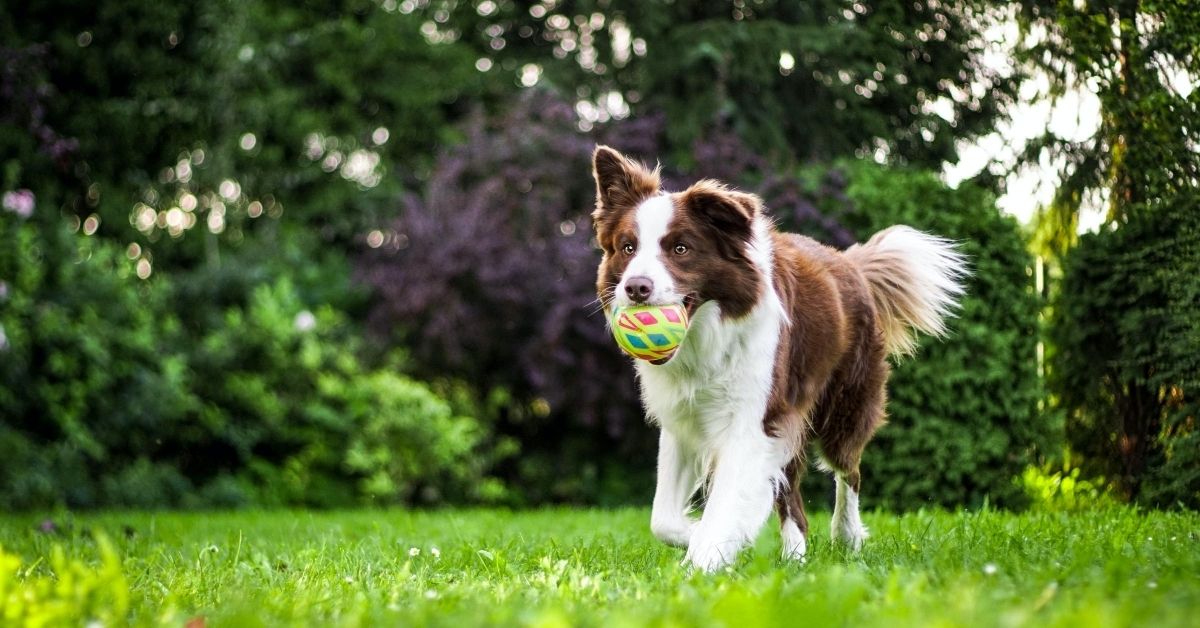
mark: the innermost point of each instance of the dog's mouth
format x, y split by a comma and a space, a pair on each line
690, 303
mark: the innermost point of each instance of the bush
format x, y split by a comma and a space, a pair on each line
86, 374
407, 444
288, 405
1053, 487
65, 591
110, 401
962, 414
1127, 364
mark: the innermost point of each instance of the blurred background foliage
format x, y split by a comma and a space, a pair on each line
264, 253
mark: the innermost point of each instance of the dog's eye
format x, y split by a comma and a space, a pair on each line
627, 249
681, 249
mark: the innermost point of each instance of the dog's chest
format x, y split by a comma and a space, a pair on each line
720, 378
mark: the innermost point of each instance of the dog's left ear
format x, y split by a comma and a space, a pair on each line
726, 211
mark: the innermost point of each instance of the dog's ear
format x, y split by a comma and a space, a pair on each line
728, 213
621, 183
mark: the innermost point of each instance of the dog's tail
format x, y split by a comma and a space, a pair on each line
916, 281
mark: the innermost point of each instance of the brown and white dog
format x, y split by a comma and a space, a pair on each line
787, 347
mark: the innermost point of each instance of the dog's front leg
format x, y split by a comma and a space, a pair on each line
677, 479
739, 500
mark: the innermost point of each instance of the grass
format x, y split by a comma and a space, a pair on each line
592, 567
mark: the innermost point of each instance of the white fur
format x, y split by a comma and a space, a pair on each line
678, 479
921, 279
847, 527
710, 400
794, 543
653, 218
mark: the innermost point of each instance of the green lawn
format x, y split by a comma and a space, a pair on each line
592, 567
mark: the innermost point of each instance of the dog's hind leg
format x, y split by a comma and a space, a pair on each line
851, 423
793, 523
847, 525
841, 454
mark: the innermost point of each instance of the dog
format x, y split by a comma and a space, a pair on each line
787, 348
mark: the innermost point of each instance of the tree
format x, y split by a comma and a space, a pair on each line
1122, 361
1139, 58
232, 113
1127, 353
797, 80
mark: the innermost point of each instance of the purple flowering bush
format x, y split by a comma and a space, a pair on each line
488, 277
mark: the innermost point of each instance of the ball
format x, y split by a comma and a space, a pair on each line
650, 332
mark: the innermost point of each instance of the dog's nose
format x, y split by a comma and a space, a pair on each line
639, 288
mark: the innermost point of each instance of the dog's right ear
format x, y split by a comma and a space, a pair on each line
621, 183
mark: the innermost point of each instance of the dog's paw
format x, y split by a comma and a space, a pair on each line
795, 546
706, 559
850, 535
708, 555
677, 533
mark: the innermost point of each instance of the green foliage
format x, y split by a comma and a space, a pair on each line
233, 151
407, 444
806, 81
109, 399
215, 106
1061, 488
963, 419
84, 366
1112, 567
67, 592
1133, 56
286, 399
1127, 365
240, 151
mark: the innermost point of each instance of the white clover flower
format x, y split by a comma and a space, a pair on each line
19, 202
305, 321
413, 551
437, 553
990, 569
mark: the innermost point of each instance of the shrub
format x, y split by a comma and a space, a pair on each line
87, 377
110, 401
962, 413
406, 443
1061, 488
72, 593
1127, 364
289, 404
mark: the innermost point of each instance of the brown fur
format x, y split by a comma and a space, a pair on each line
830, 369
712, 222
621, 184
716, 225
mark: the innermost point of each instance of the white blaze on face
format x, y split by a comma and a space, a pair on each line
652, 219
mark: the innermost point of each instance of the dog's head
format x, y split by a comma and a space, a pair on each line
660, 248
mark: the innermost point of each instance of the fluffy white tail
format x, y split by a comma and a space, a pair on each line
916, 281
